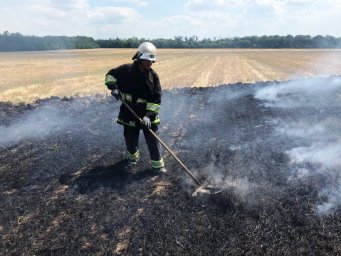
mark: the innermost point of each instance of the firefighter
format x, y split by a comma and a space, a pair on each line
139, 85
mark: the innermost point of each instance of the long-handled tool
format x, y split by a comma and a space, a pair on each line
202, 188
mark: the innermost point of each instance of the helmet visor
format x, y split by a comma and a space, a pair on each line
148, 56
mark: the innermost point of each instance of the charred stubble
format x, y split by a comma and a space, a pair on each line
64, 190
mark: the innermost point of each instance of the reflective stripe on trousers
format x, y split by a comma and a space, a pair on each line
131, 136
133, 157
157, 164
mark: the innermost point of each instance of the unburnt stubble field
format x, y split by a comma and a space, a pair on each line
27, 76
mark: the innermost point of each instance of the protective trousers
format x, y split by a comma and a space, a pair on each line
131, 136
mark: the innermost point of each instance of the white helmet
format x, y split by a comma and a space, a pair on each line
146, 51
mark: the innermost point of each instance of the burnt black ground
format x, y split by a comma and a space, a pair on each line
64, 190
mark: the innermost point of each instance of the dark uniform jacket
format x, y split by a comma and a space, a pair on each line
142, 91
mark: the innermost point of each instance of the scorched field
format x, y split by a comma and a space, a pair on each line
274, 147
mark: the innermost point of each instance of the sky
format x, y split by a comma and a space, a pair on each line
151, 19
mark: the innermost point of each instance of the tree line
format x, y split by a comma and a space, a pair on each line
18, 42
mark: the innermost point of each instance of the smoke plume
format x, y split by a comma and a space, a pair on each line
311, 118
36, 124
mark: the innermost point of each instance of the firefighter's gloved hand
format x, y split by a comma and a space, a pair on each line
146, 122
116, 94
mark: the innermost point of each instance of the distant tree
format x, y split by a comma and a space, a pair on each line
302, 41
288, 41
178, 42
132, 42
83, 42
206, 43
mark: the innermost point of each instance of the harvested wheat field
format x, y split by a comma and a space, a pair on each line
273, 148
26, 76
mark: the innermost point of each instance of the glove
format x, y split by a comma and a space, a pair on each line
146, 122
110, 82
116, 94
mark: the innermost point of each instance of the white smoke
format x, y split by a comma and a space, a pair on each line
302, 93
326, 155
36, 124
333, 196
322, 139
314, 122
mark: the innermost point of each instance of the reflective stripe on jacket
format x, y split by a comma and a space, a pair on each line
142, 91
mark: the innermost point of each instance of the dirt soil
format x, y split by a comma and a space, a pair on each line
64, 190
